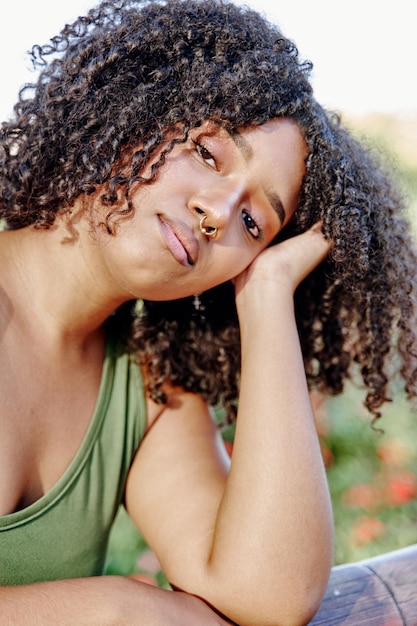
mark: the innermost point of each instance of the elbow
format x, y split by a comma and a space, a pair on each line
300, 612
268, 605
303, 605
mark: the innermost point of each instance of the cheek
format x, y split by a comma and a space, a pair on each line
233, 261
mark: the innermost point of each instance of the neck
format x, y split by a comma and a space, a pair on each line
49, 284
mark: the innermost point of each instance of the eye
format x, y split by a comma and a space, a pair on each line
205, 154
251, 226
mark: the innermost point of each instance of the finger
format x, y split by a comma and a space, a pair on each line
307, 251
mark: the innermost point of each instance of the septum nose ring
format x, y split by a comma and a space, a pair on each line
209, 231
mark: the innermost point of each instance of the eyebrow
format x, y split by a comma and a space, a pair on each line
247, 152
277, 205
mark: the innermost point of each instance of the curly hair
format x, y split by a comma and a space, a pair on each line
135, 75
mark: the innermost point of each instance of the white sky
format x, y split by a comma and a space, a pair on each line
364, 51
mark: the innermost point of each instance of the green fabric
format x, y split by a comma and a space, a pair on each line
65, 533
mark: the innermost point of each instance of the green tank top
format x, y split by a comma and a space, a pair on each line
64, 534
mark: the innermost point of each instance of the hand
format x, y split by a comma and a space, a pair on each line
286, 263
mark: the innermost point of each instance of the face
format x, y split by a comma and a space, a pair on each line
246, 184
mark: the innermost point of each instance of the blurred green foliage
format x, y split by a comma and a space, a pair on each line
372, 474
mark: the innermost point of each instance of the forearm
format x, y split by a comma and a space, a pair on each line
275, 521
101, 601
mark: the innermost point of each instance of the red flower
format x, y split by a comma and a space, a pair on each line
327, 454
401, 488
229, 447
365, 530
393, 452
364, 496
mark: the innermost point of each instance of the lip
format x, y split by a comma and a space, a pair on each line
180, 240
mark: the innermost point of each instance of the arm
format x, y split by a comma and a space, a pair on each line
258, 544
101, 601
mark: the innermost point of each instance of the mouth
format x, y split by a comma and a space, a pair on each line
180, 241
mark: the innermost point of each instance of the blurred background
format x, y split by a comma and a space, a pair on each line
364, 51
364, 54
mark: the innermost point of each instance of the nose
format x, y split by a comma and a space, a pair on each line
215, 207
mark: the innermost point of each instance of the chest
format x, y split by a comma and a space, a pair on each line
45, 412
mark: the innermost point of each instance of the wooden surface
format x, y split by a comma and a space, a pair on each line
377, 592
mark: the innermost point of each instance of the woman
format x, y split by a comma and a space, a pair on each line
165, 147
